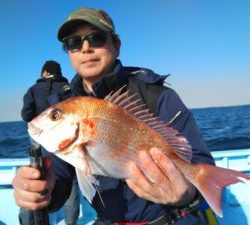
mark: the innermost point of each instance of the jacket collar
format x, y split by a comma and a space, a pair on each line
116, 79
112, 81
52, 79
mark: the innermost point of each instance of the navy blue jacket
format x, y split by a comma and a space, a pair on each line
121, 204
36, 98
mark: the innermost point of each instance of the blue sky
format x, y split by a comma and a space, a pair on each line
204, 45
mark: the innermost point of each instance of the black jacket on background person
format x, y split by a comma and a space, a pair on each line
36, 98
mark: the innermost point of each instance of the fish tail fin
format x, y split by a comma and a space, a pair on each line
210, 181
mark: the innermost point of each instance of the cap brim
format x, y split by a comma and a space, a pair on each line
68, 27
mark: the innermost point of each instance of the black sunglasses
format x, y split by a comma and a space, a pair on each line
95, 39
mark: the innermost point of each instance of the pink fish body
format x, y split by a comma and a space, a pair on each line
102, 136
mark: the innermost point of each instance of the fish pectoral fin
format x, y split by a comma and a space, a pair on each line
87, 183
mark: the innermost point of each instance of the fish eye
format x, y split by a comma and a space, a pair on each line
55, 114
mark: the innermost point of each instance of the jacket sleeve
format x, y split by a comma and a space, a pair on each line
64, 174
28, 111
169, 104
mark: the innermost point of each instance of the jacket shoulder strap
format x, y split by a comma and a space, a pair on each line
147, 92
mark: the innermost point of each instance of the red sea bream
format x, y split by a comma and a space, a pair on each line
101, 137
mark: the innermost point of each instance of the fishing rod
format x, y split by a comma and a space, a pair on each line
41, 216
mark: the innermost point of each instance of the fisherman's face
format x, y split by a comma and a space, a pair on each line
93, 62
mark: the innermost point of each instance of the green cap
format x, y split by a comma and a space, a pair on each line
95, 17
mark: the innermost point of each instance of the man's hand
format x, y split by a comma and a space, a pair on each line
161, 181
30, 192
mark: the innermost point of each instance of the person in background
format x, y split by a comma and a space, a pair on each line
36, 100
89, 37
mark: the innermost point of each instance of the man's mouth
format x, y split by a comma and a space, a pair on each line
89, 61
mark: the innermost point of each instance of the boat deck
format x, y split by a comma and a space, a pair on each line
235, 201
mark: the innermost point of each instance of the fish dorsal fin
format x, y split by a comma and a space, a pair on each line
132, 104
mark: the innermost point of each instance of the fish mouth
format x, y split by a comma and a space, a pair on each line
64, 145
34, 130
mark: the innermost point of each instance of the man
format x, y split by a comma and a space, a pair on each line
93, 47
36, 100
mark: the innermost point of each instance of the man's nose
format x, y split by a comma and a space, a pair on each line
86, 47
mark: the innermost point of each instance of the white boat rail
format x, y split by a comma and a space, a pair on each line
235, 203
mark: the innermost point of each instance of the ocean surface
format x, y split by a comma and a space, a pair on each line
223, 128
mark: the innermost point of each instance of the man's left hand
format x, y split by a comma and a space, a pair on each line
161, 181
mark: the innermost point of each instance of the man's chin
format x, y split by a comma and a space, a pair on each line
91, 75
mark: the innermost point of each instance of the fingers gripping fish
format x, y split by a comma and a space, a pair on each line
86, 131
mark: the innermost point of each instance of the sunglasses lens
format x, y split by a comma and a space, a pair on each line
97, 39
73, 42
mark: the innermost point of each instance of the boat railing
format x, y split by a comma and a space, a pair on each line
236, 198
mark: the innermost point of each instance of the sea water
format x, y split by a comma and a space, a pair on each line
223, 128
